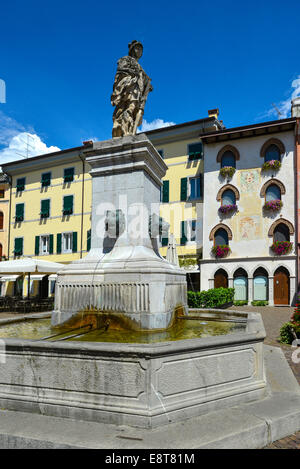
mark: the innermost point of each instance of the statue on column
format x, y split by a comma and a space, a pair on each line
130, 91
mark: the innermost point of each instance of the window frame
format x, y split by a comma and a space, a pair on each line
20, 185
73, 174
50, 179
190, 152
41, 215
63, 204
63, 235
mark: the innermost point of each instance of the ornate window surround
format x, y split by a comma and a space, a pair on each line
272, 182
220, 225
278, 222
228, 187
228, 148
272, 141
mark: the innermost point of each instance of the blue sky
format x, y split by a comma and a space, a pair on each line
58, 60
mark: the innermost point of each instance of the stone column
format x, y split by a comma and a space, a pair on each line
293, 289
230, 282
271, 291
250, 289
211, 283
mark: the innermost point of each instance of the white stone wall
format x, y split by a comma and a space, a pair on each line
249, 225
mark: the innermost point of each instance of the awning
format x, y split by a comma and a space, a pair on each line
9, 278
37, 277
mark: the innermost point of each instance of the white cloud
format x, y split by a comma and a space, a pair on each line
155, 124
9, 128
284, 107
22, 145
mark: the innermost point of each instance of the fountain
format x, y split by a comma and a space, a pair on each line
123, 348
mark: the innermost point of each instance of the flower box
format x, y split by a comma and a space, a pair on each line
221, 251
281, 247
225, 209
271, 165
273, 205
227, 171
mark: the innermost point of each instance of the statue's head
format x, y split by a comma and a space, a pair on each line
135, 49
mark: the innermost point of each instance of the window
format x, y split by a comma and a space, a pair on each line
240, 284
188, 231
1, 220
281, 233
228, 159
19, 212
18, 250
228, 197
43, 245
195, 151
221, 279
273, 192
272, 153
67, 239
46, 179
68, 205
68, 174
221, 237
260, 284
20, 184
195, 188
2, 193
45, 208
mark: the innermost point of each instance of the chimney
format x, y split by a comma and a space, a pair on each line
295, 110
213, 113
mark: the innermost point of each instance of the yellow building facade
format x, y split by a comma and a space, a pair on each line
50, 206
4, 215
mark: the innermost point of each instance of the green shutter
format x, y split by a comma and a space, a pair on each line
46, 179
164, 241
68, 174
19, 212
195, 151
58, 243
165, 192
18, 246
20, 184
45, 208
183, 189
74, 240
89, 239
51, 244
37, 245
183, 238
68, 205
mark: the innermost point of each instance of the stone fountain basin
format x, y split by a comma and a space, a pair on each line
140, 385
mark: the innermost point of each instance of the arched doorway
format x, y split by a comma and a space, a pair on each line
221, 279
260, 285
281, 286
240, 284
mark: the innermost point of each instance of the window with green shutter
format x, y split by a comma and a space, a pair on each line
20, 184
68, 205
195, 151
45, 208
164, 241
46, 179
37, 246
183, 239
18, 251
89, 239
19, 212
68, 174
183, 189
58, 243
51, 244
165, 191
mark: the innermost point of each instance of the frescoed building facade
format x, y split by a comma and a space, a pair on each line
251, 211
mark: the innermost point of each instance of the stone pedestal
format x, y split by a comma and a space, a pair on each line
123, 274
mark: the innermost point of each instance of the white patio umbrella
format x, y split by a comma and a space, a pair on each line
172, 255
28, 266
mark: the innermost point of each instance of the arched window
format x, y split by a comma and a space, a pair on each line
273, 192
240, 284
220, 237
228, 197
260, 285
228, 159
272, 153
220, 279
1, 220
281, 233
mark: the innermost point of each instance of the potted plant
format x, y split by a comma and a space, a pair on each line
227, 171
273, 205
220, 251
225, 209
271, 165
281, 247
